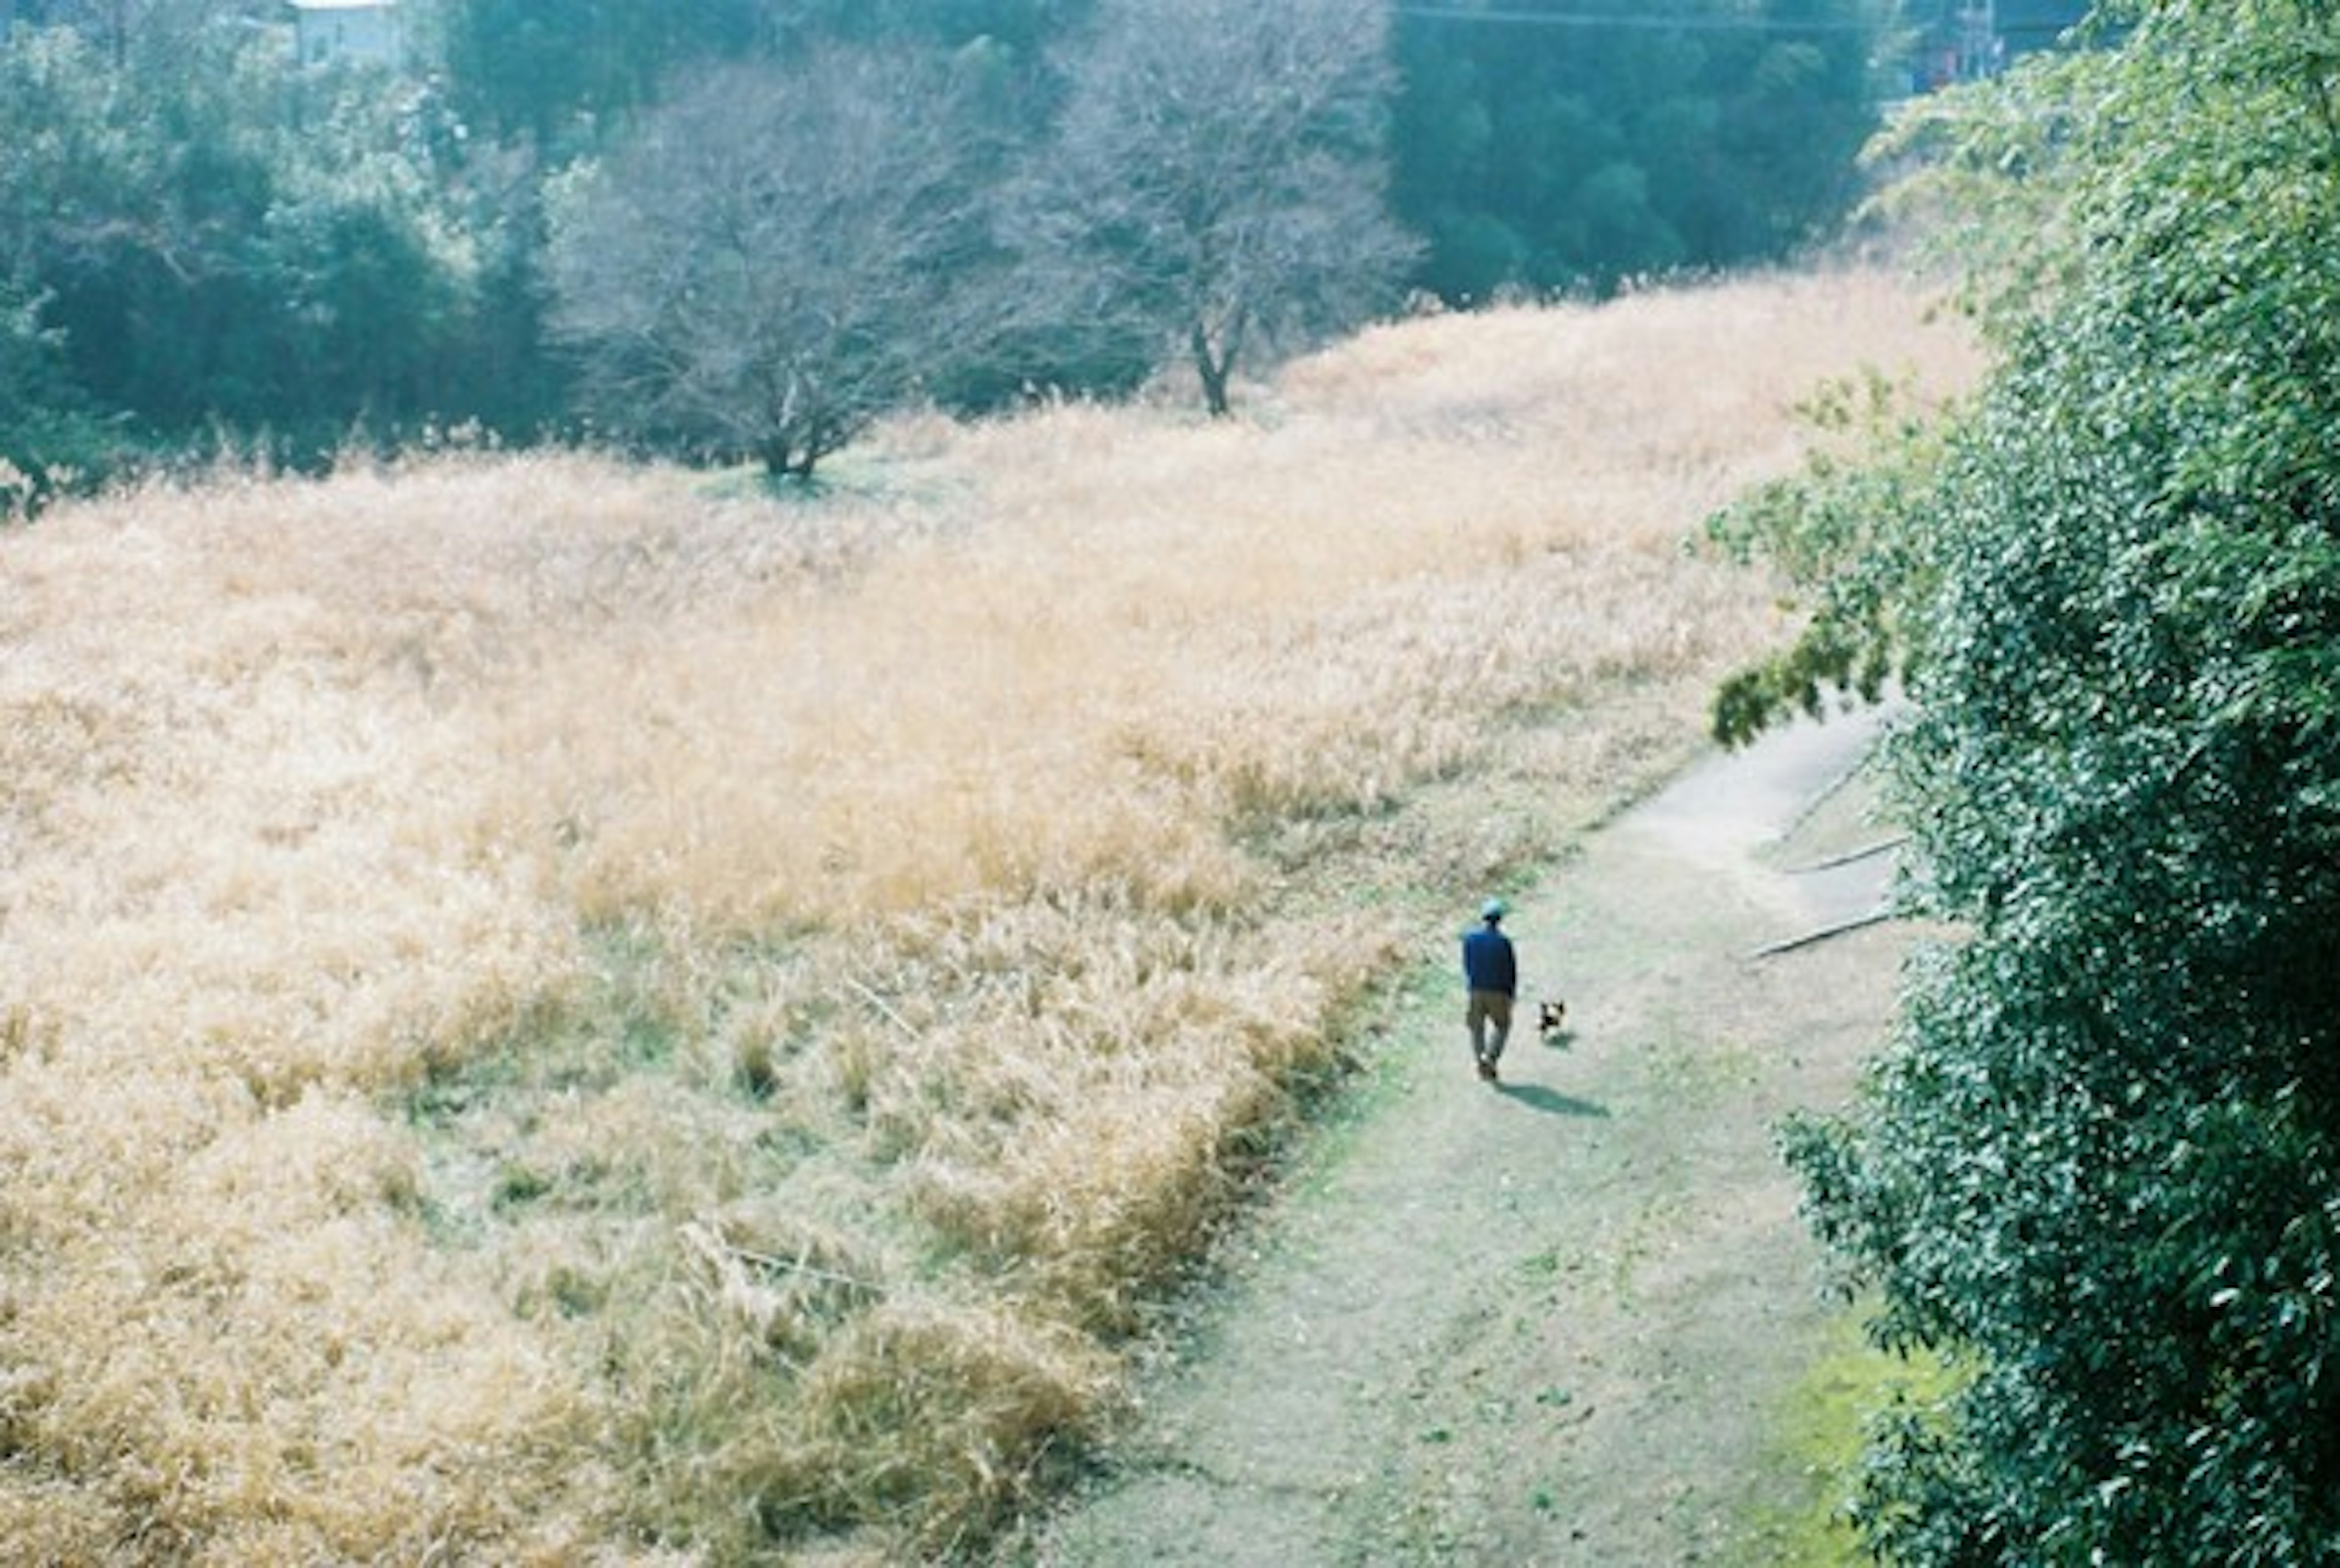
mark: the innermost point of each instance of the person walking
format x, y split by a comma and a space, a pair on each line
1490, 971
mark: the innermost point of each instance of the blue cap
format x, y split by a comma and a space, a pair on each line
1493, 909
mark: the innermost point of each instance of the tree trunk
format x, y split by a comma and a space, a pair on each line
1215, 370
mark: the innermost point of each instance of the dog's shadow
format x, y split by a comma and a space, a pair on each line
1554, 1034
1550, 1101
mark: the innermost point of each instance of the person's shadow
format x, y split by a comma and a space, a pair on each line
1550, 1101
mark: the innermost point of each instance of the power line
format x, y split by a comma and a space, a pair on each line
1585, 19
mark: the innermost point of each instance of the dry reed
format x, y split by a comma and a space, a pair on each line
546, 1014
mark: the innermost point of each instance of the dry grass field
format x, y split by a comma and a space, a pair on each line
552, 1012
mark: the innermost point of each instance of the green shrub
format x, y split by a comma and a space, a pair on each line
2101, 1163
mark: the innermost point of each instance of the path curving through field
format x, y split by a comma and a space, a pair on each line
1554, 1323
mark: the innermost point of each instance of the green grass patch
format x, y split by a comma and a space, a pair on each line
1818, 1445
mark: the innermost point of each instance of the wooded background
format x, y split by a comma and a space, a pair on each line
212, 240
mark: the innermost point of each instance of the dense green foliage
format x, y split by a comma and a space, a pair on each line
2099, 1167
1841, 532
209, 241
1548, 149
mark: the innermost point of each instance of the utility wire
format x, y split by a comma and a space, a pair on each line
1624, 23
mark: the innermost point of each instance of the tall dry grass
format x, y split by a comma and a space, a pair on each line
550, 1015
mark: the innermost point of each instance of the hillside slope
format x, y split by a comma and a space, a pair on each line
559, 1012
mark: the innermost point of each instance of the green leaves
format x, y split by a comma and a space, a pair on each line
213, 243
1579, 149
1841, 533
2101, 1157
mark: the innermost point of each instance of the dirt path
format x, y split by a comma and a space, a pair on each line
1552, 1324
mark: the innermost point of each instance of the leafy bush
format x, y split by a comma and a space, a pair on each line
49, 442
2100, 1166
1841, 530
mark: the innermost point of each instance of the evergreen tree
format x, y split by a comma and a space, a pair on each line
1563, 148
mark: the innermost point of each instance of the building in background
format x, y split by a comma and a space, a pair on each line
349, 31
1966, 40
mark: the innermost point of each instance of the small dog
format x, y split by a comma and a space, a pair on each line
1552, 1019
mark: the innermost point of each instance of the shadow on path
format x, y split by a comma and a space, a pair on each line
1551, 1102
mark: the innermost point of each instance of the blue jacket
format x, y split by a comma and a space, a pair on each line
1488, 962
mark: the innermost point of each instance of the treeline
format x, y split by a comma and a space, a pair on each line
542, 218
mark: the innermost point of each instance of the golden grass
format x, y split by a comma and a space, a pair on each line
549, 1014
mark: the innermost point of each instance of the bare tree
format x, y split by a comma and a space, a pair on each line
784, 253
1217, 177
